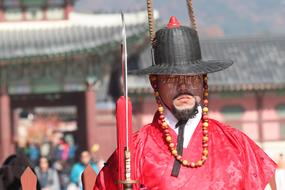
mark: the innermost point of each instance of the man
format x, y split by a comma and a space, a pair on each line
183, 148
47, 176
94, 157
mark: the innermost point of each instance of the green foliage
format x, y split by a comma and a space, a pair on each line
281, 110
36, 3
232, 112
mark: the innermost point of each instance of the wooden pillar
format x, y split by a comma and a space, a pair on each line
1, 14
15, 122
45, 8
24, 11
259, 107
90, 113
67, 9
5, 125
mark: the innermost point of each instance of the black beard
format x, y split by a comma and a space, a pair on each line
185, 114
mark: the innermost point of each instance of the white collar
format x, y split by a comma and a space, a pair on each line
190, 126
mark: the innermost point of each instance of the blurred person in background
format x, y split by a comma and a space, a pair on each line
79, 167
72, 148
62, 164
281, 162
55, 154
12, 170
60, 157
47, 176
94, 151
33, 152
22, 146
280, 173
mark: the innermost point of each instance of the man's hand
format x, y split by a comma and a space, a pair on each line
272, 183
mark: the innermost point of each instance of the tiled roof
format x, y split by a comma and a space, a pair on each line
80, 33
259, 63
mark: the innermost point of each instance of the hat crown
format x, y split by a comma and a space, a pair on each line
176, 51
177, 45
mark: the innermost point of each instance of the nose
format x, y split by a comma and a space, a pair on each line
181, 87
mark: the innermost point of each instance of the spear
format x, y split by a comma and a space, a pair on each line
124, 124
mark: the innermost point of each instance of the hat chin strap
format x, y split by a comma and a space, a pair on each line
151, 18
152, 56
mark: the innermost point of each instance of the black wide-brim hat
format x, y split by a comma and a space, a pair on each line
176, 51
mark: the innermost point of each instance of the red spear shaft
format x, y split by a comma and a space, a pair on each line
124, 127
125, 165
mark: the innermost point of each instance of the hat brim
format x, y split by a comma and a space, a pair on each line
196, 68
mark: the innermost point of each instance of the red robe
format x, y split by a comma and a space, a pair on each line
235, 162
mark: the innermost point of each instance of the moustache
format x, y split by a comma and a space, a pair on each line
183, 93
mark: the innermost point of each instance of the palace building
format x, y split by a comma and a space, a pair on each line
61, 70
55, 60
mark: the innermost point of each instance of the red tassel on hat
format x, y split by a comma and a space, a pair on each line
173, 22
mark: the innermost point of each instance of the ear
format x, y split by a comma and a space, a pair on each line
198, 99
153, 81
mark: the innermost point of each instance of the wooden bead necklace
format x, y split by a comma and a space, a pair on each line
165, 128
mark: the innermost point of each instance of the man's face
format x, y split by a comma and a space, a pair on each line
44, 164
180, 92
85, 157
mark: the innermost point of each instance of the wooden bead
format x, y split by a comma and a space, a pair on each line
166, 131
192, 164
205, 124
205, 139
179, 157
205, 117
185, 162
160, 109
164, 124
205, 109
171, 145
205, 132
205, 145
168, 138
205, 152
159, 122
199, 163
174, 152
